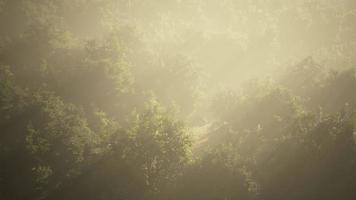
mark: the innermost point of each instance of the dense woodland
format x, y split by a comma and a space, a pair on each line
177, 100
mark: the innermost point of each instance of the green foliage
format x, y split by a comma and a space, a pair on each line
142, 160
219, 174
160, 146
318, 162
296, 147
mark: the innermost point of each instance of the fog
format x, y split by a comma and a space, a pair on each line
177, 99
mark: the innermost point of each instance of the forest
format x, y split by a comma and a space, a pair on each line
177, 100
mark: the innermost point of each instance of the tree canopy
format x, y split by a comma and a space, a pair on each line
177, 100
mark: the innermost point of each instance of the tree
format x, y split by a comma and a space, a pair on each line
218, 174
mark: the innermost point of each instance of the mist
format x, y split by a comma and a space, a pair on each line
177, 99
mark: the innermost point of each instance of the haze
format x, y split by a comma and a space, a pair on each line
177, 99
